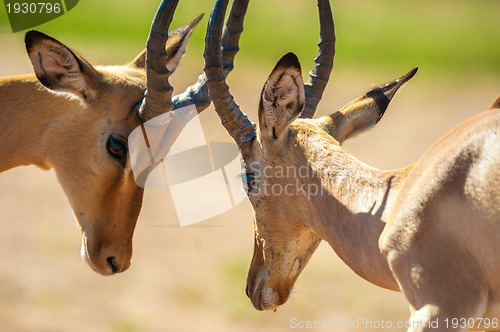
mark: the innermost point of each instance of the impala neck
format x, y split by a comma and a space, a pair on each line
28, 112
352, 212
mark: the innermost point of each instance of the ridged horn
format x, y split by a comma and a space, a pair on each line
318, 77
233, 119
158, 97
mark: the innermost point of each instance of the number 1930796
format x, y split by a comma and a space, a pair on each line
470, 323
33, 8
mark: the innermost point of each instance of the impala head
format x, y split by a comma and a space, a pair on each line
87, 142
280, 181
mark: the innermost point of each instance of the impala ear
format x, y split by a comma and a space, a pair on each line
363, 112
495, 105
176, 46
139, 61
59, 68
282, 98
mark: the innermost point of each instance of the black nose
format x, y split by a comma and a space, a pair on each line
113, 264
247, 291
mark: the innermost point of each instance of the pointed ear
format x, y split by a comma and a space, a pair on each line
139, 61
60, 69
359, 115
363, 112
282, 98
176, 46
495, 105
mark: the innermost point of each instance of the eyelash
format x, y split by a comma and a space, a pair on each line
117, 149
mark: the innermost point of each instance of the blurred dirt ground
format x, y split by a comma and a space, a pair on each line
193, 279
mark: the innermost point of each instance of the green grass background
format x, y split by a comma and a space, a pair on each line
444, 37
452, 41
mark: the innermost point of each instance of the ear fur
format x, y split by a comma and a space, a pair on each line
282, 98
363, 112
495, 105
176, 46
58, 68
139, 61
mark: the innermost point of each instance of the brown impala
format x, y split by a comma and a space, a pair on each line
75, 118
430, 230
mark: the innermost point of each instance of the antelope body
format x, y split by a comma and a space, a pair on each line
429, 230
441, 237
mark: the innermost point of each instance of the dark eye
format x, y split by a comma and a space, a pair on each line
250, 182
117, 148
137, 106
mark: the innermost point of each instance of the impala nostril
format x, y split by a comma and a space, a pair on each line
247, 291
115, 267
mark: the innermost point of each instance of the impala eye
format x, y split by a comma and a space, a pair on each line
117, 148
138, 105
250, 180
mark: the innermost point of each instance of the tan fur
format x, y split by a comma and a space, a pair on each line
496, 104
68, 133
430, 230
447, 225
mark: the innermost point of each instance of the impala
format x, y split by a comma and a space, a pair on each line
75, 118
430, 230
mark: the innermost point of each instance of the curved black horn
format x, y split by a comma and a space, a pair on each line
324, 60
233, 119
197, 93
159, 91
